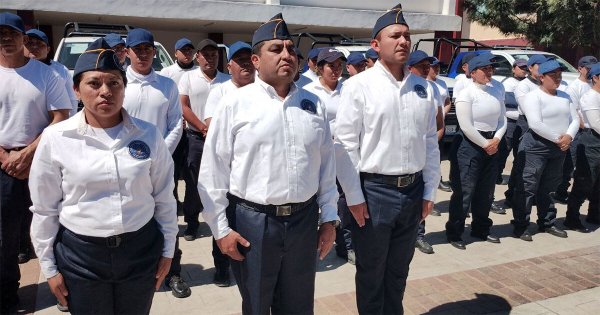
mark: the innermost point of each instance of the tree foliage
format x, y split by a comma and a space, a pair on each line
561, 24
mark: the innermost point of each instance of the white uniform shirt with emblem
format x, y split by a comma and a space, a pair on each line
155, 99
480, 107
98, 188
267, 150
389, 127
27, 95
175, 72
197, 86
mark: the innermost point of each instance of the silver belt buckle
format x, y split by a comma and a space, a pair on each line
283, 211
404, 181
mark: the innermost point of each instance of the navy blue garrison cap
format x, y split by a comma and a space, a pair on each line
329, 54
237, 47
139, 36
418, 56
594, 70
35, 33
355, 58
392, 16
372, 54
182, 42
98, 56
275, 28
12, 20
480, 61
549, 66
113, 39
313, 53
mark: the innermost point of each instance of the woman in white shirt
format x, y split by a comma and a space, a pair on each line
553, 123
586, 182
474, 155
104, 215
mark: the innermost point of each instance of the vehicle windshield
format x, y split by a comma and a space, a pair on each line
70, 52
563, 63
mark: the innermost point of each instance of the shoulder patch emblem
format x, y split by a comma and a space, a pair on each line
421, 91
139, 150
308, 105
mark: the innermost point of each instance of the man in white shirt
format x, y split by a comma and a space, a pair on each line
194, 88
32, 97
356, 63
268, 168
387, 124
311, 63
184, 60
155, 99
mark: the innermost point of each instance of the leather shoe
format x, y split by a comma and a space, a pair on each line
190, 233
576, 226
553, 230
488, 238
560, 198
444, 186
497, 208
458, 244
435, 212
525, 236
179, 288
221, 278
423, 246
61, 307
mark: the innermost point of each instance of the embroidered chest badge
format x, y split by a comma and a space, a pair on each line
139, 150
308, 105
420, 90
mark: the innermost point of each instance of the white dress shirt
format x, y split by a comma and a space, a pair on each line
95, 189
267, 150
590, 107
215, 96
461, 82
480, 107
576, 90
550, 116
175, 72
309, 74
443, 89
389, 127
64, 73
197, 86
155, 99
27, 94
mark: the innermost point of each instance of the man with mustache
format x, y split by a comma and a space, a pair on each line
268, 168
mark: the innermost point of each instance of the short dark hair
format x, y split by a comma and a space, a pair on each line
256, 49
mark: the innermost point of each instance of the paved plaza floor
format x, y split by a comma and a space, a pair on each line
547, 276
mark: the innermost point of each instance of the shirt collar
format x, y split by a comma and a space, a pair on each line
271, 90
80, 126
320, 86
379, 67
133, 76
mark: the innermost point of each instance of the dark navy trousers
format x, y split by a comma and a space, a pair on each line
509, 142
385, 246
343, 237
473, 178
192, 206
105, 280
540, 163
569, 166
520, 128
14, 204
586, 183
277, 275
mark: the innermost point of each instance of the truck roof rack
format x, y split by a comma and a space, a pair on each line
74, 29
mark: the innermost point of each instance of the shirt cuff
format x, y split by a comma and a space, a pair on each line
429, 191
49, 270
329, 213
354, 198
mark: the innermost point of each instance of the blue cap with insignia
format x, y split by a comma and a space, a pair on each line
113, 39
13, 21
594, 71
355, 58
139, 36
313, 53
549, 66
536, 59
418, 56
35, 33
329, 54
392, 16
275, 28
237, 47
480, 61
98, 56
182, 42
371, 54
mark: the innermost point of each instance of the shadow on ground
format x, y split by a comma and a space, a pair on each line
481, 304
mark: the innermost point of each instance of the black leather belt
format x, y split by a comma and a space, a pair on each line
511, 120
274, 210
113, 241
392, 180
487, 134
